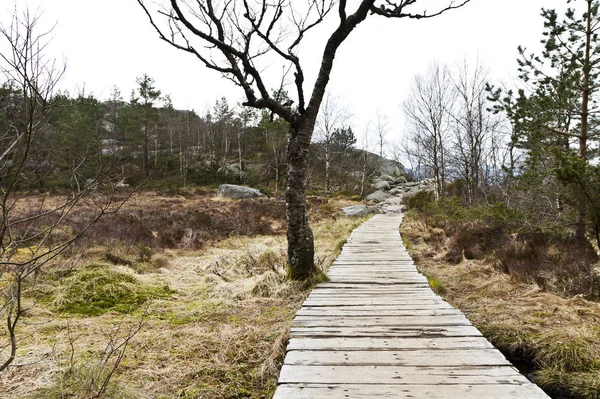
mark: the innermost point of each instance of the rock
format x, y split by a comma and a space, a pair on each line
390, 167
232, 170
378, 196
396, 191
412, 184
386, 178
400, 180
383, 185
359, 210
121, 185
237, 192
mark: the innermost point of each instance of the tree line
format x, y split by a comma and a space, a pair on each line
532, 145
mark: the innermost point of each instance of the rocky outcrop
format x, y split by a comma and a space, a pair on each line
237, 192
382, 185
378, 196
360, 210
386, 178
391, 195
232, 170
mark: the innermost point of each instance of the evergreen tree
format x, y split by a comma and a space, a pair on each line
147, 96
558, 108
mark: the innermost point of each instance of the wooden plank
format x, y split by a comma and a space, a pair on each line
339, 391
400, 332
358, 291
371, 310
311, 321
426, 358
399, 375
377, 330
394, 296
370, 302
367, 286
454, 344
386, 281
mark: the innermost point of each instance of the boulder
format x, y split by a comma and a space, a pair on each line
378, 196
400, 180
232, 170
382, 185
412, 184
390, 167
386, 178
237, 192
396, 191
359, 210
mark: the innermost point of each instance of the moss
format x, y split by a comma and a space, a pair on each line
437, 286
97, 289
319, 278
340, 244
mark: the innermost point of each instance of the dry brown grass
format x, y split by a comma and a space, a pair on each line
219, 333
558, 335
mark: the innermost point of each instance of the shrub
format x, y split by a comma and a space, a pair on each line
421, 200
269, 260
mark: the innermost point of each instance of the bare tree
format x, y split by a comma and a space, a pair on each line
333, 115
475, 127
369, 163
380, 128
428, 112
231, 37
29, 239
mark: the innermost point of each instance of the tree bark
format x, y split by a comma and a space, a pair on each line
301, 249
580, 228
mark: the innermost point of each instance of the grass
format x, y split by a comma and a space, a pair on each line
98, 288
437, 286
557, 336
218, 317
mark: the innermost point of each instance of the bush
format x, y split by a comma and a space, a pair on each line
421, 200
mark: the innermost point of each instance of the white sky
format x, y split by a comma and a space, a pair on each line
110, 42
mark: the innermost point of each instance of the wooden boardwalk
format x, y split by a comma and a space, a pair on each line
377, 330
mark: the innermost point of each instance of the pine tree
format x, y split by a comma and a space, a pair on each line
147, 95
557, 104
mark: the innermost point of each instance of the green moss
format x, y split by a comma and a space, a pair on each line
99, 288
437, 286
340, 244
319, 278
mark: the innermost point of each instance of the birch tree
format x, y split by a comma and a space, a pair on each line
237, 38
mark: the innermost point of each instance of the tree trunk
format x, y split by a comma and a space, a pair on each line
580, 228
239, 139
327, 166
146, 151
299, 234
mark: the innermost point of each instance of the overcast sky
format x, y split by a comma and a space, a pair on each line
110, 42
